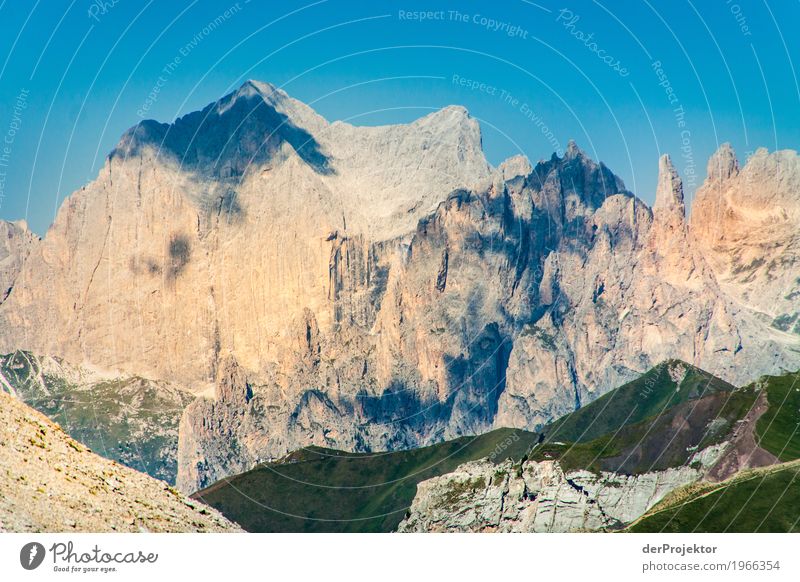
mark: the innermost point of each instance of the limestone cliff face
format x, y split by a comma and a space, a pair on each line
372, 287
747, 220
216, 232
16, 243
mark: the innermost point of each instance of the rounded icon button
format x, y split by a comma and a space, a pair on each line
31, 555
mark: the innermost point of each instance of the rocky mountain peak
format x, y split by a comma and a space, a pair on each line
575, 183
573, 151
247, 127
723, 163
392, 247
747, 221
450, 124
669, 192
515, 166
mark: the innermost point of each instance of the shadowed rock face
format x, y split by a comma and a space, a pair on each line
377, 287
226, 137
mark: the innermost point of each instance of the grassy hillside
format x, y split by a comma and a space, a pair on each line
650, 424
647, 396
322, 490
778, 429
763, 500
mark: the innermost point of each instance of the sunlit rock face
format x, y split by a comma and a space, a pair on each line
747, 221
16, 243
379, 287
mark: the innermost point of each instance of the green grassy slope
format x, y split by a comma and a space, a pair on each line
322, 490
647, 396
649, 424
778, 429
763, 500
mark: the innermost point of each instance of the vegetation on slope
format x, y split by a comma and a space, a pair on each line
778, 429
323, 490
761, 500
645, 397
652, 423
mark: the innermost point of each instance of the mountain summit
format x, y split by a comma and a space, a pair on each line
372, 288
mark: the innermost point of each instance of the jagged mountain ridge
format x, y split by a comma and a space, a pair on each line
372, 288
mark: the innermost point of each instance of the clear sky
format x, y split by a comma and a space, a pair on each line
627, 80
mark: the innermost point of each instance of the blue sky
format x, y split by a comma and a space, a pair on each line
627, 80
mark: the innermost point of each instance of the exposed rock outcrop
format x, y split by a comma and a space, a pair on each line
51, 483
540, 497
747, 221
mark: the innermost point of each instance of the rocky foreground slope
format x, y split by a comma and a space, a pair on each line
380, 288
51, 483
124, 418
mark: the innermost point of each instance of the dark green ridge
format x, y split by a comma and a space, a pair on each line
645, 397
649, 424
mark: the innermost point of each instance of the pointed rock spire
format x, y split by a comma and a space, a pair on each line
669, 193
573, 151
723, 163
232, 385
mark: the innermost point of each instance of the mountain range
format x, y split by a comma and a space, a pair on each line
384, 288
